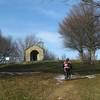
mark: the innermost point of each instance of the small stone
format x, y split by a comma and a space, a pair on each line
57, 83
60, 98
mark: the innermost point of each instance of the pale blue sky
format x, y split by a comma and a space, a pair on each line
19, 18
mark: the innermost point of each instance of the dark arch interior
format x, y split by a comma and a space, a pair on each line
33, 55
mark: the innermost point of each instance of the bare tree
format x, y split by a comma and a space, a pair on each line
80, 30
94, 2
71, 31
5, 44
8, 48
31, 40
49, 55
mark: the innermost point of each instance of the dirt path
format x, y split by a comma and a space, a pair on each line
66, 91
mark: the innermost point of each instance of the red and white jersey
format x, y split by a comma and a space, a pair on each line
66, 64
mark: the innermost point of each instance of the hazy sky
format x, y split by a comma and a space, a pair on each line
19, 18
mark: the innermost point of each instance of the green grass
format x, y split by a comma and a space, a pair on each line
52, 67
49, 66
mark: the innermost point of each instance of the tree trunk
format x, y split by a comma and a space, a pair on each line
93, 56
81, 55
90, 56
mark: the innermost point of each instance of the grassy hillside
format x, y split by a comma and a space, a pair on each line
44, 86
52, 67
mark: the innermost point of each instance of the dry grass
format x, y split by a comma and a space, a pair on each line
35, 87
43, 86
89, 88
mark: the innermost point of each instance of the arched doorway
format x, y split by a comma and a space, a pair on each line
33, 55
